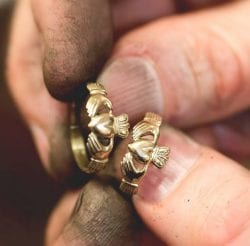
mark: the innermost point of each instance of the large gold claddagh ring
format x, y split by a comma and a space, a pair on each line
141, 152
102, 127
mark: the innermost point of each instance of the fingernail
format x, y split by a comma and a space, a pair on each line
157, 184
133, 86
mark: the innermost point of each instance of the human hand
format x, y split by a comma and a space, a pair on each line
191, 68
175, 73
199, 198
60, 44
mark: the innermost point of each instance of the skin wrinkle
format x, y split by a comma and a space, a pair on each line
210, 74
213, 206
244, 226
145, 51
223, 97
187, 58
172, 113
209, 211
225, 221
137, 73
141, 50
220, 99
195, 167
186, 73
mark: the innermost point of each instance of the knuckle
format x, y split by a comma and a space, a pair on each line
205, 68
211, 70
227, 64
215, 64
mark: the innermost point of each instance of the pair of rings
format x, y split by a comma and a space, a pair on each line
103, 126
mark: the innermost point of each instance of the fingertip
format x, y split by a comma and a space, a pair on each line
100, 217
63, 85
65, 74
77, 38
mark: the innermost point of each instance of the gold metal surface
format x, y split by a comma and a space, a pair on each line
103, 127
141, 152
77, 142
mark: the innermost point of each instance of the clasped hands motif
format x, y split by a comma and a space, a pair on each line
103, 125
92, 155
141, 152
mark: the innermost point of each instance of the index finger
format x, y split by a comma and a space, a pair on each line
191, 69
77, 37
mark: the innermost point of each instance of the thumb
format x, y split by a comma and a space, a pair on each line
101, 216
200, 197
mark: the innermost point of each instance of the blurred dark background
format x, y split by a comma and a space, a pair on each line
27, 194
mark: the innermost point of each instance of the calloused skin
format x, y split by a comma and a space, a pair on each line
192, 67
